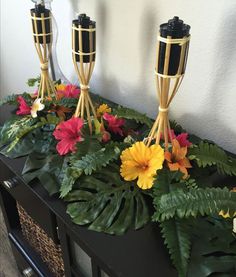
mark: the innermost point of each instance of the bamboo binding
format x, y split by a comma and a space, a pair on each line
84, 71
167, 87
43, 44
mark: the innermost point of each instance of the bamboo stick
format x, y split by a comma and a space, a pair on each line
167, 87
46, 86
84, 71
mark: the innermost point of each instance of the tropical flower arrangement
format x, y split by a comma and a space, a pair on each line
112, 181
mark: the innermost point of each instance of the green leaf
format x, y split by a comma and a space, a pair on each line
89, 145
10, 99
177, 239
90, 163
214, 250
41, 141
48, 168
13, 126
176, 127
97, 160
209, 201
132, 115
207, 154
17, 128
33, 81
166, 182
107, 204
67, 102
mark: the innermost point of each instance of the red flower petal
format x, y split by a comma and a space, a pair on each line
70, 91
69, 132
183, 140
23, 108
114, 123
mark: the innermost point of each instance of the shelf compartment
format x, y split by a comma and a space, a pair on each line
50, 252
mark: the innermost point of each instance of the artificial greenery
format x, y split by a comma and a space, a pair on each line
208, 154
89, 180
132, 115
106, 203
89, 163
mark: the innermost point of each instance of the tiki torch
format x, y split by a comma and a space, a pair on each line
42, 32
83, 52
171, 58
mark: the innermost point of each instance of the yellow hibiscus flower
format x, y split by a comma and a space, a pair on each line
142, 162
60, 87
104, 108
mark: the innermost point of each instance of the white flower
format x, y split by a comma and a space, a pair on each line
37, 106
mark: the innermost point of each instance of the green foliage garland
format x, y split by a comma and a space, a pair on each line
89, 181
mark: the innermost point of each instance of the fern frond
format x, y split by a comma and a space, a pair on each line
132, 115
90, 163
209, 201
95, 161
12, 99
177, 239
207, 154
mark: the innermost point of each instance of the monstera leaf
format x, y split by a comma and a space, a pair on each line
214, 249
106, 203
38, 140
48, 168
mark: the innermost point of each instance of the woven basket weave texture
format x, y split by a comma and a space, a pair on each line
50, 253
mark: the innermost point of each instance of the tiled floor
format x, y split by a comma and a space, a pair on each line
8, 266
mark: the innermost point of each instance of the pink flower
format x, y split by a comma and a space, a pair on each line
114, 123
69, 91
69, 133
23, 108
183, 140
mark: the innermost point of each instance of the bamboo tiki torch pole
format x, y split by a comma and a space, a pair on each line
42, 33
172, 52
83, 53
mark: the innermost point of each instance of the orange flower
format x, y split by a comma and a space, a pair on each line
177, 159
60, 110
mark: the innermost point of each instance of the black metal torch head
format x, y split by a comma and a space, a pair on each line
42, 28
175, 33
84, 43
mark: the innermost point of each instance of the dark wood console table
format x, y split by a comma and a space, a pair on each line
85, 253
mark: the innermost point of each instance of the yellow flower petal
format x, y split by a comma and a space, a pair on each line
142, 162
60, 87
226, 214
129, 171
104, 108
144, 181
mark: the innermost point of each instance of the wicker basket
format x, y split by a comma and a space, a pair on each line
50, 252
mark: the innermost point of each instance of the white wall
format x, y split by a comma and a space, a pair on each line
124, 71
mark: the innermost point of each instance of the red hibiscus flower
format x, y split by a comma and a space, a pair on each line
183, 140
23, 108
69, 91
114, 123
69, 133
